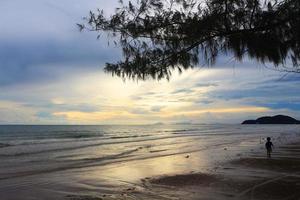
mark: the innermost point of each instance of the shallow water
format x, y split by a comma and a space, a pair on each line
60, 160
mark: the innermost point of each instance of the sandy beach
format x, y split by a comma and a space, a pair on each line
251, 177
191, 164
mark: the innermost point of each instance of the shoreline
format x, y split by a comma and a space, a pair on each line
195, 165
252, 177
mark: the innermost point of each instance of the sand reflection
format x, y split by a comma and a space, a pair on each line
134, 171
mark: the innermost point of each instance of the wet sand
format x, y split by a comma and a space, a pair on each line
253, 177
188, 168
246, 178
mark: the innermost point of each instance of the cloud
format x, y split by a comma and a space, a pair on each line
139, 111
294, 106
65, 107
157, 108
185, 90
47, 18
15, 113
39, 60
44, 115
278, 91
51, 73
94, 117
206, 85
232, 110
204, 101
46, 43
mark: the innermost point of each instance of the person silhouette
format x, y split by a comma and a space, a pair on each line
269, 145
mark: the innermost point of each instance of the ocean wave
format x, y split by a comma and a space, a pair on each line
70, 148
3, 145
181, 130
128, 136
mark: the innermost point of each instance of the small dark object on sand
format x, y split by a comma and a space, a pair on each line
131, 189
187, 156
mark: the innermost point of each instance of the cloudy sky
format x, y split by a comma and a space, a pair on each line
50, 73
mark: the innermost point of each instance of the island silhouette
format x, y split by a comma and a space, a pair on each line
277, 119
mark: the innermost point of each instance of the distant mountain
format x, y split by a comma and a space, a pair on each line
278, 119
183, 123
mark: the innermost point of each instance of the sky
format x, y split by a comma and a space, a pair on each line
50, 73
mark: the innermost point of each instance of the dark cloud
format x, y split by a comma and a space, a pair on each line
40, 60
185, 90
206, 85
267, 91
42, 40
204, 101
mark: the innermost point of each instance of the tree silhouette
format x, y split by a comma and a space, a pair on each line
158, 36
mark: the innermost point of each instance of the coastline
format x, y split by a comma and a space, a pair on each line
252, 177
248, 177
222, 163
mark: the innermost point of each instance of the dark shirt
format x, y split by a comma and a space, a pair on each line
269, 145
